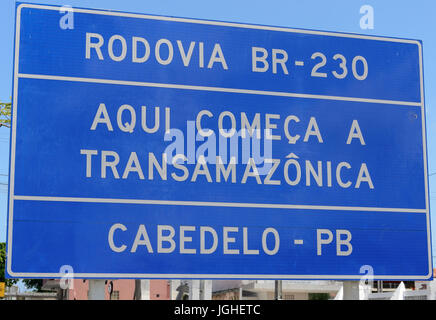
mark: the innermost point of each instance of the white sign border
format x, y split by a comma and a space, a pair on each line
13, 197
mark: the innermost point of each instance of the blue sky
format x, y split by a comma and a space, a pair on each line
403, 19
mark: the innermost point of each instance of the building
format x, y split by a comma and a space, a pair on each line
265, 289
235, 290
13, 293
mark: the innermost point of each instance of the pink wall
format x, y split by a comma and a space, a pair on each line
159, 289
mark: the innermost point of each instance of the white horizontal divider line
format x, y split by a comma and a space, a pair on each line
215, 204
215, 89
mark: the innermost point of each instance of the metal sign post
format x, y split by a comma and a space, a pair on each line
278, 291
96, 289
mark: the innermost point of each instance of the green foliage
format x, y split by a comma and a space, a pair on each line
29, 283
5, 114
9, 282
319, 296
33, 284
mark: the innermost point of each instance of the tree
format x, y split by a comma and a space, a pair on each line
5, 114
5, 121
9, 282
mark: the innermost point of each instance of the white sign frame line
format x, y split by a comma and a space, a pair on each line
425, 160
217, 23
214, 204
216, 89
209, 276
13, 142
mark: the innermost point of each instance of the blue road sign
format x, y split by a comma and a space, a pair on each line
159, 147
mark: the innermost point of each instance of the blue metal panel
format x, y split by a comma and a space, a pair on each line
344, 184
